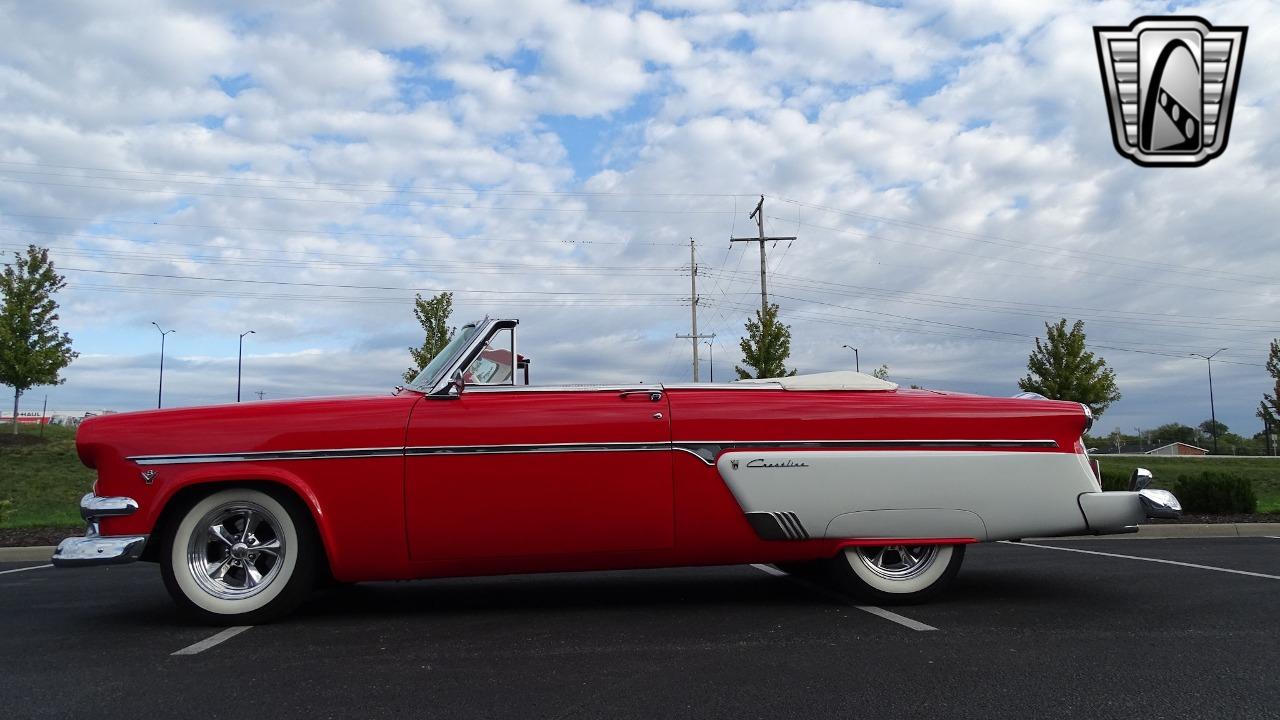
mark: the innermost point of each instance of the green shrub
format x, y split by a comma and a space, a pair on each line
1213, 492
6, 506
1115, 478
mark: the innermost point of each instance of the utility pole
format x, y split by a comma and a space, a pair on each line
758, 216
693, 306
711, 360
1213, 417
260, 393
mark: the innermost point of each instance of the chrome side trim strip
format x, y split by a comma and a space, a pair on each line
707, 451
561, 388
528, 449
266, 456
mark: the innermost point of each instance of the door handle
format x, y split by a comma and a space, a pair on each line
654, 395
657, 416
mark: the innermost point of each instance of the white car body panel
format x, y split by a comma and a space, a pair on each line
985, 495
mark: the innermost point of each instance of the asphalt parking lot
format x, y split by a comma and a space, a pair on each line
1025, 632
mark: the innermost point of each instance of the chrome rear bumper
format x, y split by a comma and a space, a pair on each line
95, 549
1109, 513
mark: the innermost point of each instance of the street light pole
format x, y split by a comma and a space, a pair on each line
711, 359
856, 365
160, 390
240, 361
1213, 417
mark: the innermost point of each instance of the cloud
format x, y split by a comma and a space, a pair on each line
303, 172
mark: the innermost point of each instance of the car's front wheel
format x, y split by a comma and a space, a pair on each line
239, 556
897, 574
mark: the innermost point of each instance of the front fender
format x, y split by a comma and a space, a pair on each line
153, 510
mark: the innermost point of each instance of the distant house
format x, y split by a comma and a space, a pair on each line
1178, 448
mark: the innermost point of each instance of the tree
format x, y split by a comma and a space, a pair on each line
32, 350
881, 372
1207, 428
1269, 408
766, 347
433, 314
1061, 368
1174, 432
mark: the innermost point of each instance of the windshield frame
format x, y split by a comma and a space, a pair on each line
431, 375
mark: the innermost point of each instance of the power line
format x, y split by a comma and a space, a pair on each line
366, 287
313, 184
1017, 309
369, 203
1018, 262
308, 232
1019, 245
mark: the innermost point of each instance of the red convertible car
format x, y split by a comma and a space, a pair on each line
467, 472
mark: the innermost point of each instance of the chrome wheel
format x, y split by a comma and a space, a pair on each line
898, 562
237, 550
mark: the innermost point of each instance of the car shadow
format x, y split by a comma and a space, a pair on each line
693, 588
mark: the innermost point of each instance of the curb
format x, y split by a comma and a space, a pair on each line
1188, 530
37, 553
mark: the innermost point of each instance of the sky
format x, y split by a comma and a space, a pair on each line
303, 169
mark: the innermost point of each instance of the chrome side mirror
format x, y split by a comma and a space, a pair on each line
1139, 479
457, 384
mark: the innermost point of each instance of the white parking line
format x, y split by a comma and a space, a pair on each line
209, 642
34, 567
877, 611
1147, 559
895, 617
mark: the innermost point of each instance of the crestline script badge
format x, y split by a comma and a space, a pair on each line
1171, 85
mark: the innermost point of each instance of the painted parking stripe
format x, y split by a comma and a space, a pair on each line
209, 642
877, 611
895, 617
34, 567
1147, 559
771, 570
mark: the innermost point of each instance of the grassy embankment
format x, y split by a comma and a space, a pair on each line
43, 481
1263, 472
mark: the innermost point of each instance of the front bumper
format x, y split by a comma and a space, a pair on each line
96, 549
1109, 513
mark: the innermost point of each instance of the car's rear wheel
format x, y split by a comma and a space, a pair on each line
897, 574
239, 556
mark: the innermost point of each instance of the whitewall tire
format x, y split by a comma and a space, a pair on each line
897, 574
239, 556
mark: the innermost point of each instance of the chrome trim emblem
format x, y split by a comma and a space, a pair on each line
1170, 84
148, 476
762, 463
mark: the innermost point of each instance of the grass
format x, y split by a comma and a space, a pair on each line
1264, 473
42, 481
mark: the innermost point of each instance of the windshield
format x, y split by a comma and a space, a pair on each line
430, 374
